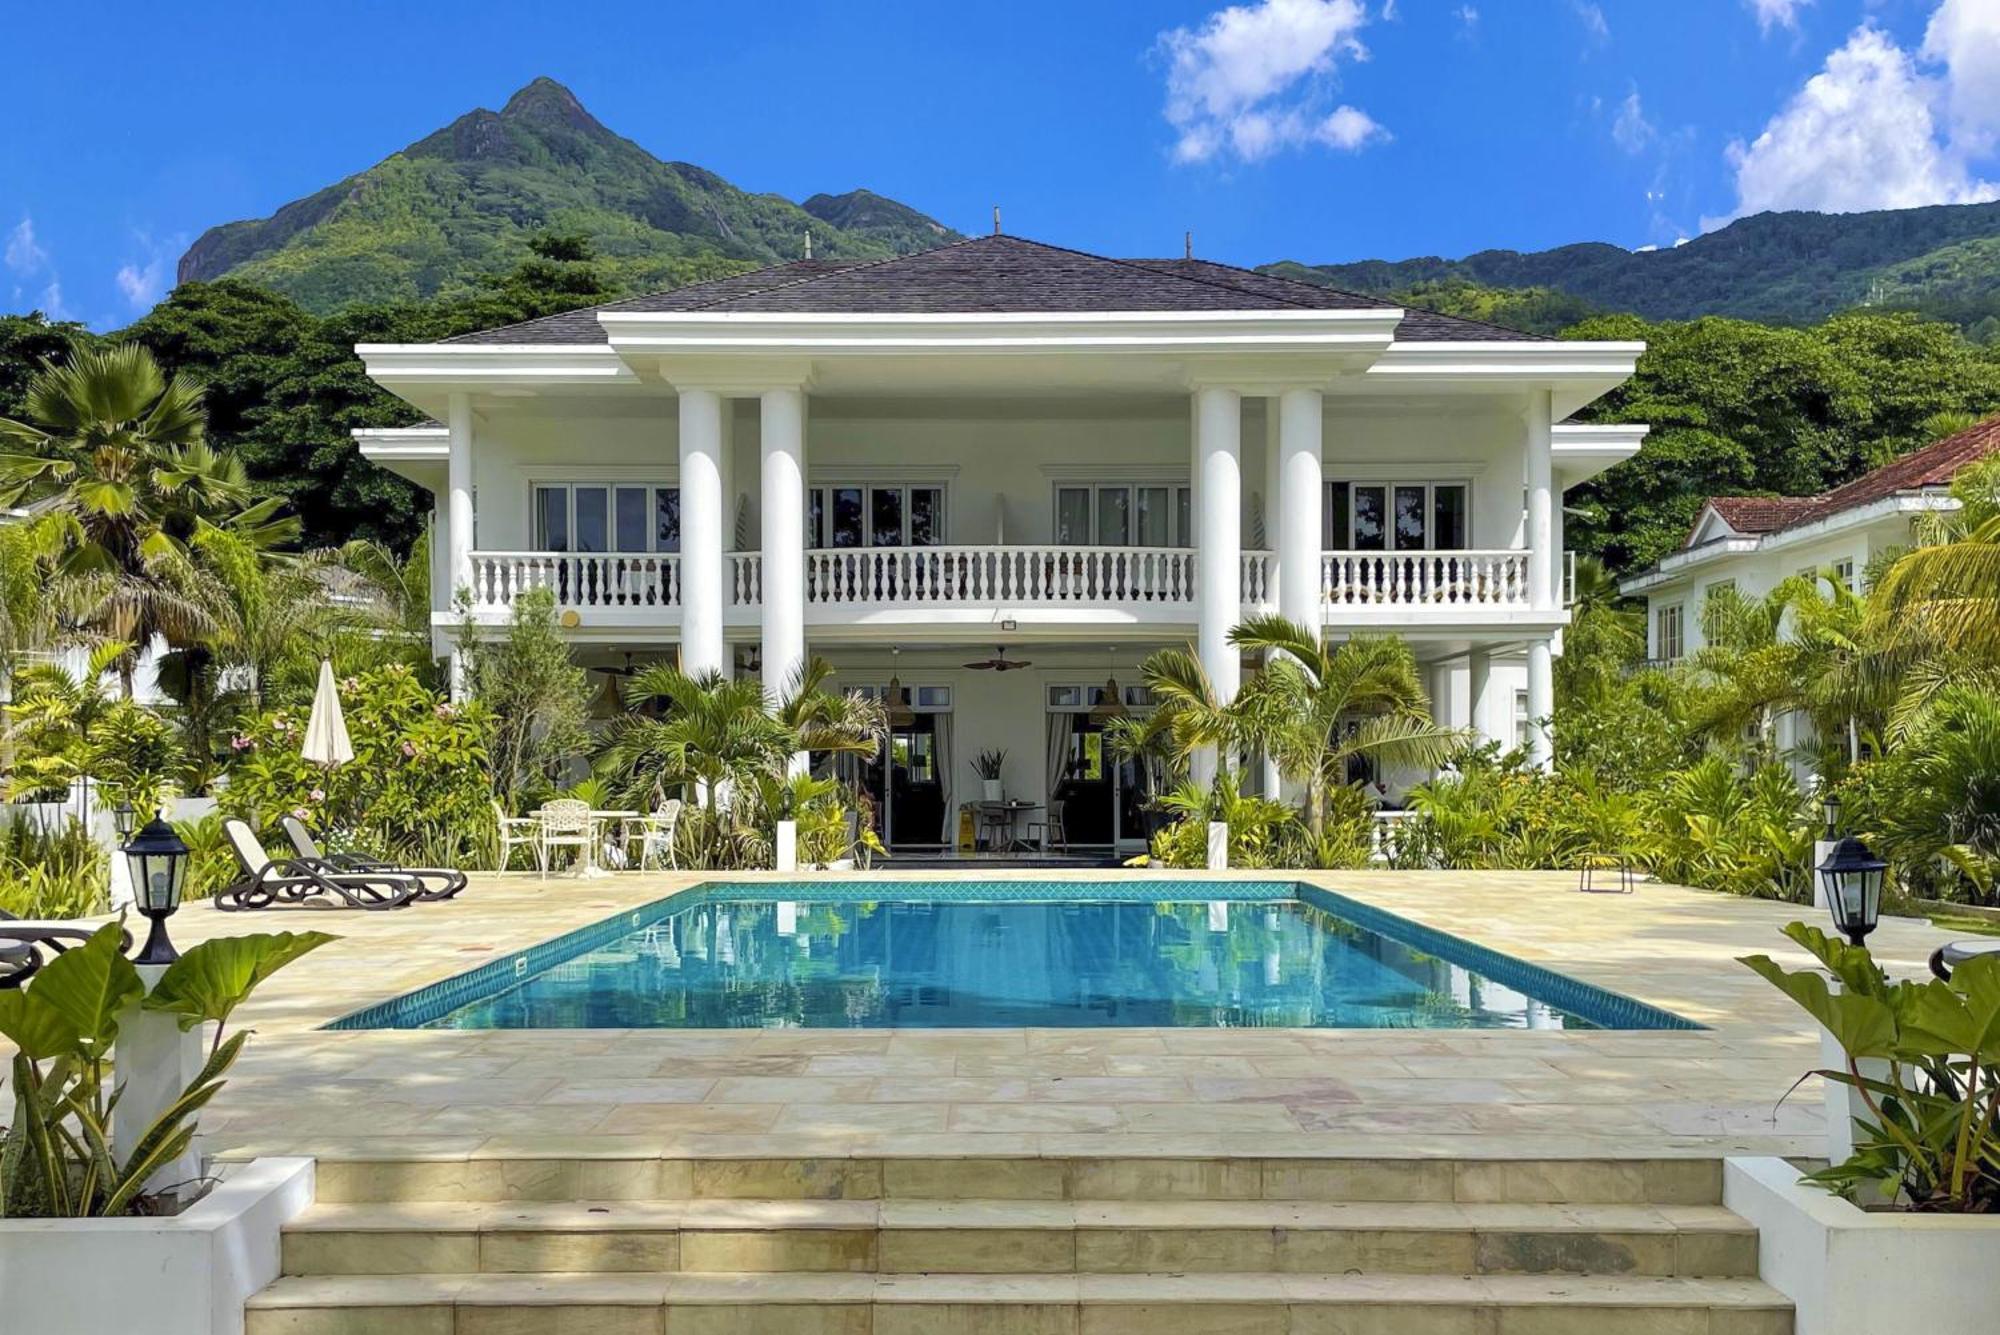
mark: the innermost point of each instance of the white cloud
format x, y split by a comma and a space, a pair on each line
1252, 80
1630, 129
1592, 19
29, 261
1964, 37
1468, 17
145, 280
1873, 130
1776, 13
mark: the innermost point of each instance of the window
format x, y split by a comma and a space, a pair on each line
889, 515
1667, 633
1521, 719
1124, 514
1395, 516
1843, 571
606, 517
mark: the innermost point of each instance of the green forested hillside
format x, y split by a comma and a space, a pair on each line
462, 203
1783, 268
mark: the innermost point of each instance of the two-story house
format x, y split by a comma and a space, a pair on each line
1755, 543
986, 480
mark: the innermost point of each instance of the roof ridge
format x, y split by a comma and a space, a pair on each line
844, 269
1141, 264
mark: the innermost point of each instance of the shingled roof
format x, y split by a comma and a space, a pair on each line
991, 275
1931, 467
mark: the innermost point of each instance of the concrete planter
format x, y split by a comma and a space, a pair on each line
184, 1275
1857, 1272
1218, 845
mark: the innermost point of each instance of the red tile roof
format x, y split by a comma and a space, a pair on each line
1932, 466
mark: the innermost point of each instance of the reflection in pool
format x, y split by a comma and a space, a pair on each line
748, 963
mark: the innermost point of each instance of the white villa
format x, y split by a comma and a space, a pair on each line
1002, 454
1755, 543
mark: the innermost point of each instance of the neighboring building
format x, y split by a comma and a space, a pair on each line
1757, 542
1002, 452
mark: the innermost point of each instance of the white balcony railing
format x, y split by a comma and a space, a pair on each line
1472, 579
902, 576
578, 579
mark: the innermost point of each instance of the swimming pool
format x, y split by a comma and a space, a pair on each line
914, 954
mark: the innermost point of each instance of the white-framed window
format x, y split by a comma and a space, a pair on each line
1667, 642
874, 514
1066, 699
919, 699
606, 517
1396, 516
1521, 719
1843, 571
1124, 514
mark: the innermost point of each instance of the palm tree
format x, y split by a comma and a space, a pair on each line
1188, 716
116, 457
1746, 666
1302, 707
827, 721
1947, 591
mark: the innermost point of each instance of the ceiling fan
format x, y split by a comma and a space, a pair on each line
999, 663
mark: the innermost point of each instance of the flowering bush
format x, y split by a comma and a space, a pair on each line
417, 786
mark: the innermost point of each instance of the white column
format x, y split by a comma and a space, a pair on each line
1480, 672
458, 526
1541, 502
702, 531
1300, 488
1219, 559
1218, 506
782, 541
1541, 701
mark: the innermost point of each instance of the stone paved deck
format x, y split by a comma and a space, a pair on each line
1130, 1091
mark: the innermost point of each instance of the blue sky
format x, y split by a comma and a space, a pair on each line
1312, 129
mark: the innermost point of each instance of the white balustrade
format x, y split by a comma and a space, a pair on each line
900, 576
1432, 578
1257, 578
746, 578
578, 579
1386, 834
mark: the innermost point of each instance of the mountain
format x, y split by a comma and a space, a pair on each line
1784, 268
461, 204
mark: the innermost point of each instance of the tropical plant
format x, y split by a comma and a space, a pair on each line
53, 721
116, 457
1931, 1083
137, 759
56, 1156
418, 778
1947, 591
1260, 829
1932, 805
1713, 826
51, 869
211, 863
1320, 704
1746, 669
987, 764
537, 695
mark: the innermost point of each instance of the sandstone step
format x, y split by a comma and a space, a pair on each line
1005, 1237
1655, 1181
842, 1304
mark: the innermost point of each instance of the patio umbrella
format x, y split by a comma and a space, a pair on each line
326, 731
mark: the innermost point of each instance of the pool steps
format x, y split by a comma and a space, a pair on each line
1082, 1246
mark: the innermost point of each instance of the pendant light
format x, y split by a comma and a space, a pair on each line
1113, 704
900, 713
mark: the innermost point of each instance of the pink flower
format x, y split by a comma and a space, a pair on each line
300, 812
350, 684
240, 743
316, 795
446, 711
409, 748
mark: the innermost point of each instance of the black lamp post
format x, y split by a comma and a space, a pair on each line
121, 820
1852, 877
1829, 810
157, 860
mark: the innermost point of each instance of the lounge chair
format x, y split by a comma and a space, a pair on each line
437, 882
294, 883
1944, 960
23, 941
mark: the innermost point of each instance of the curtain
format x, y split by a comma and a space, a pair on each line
947, 773
1060, 727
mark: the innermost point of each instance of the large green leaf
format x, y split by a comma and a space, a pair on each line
1864, 1026
213, 978
88, 985
35, 1027
1960, 1017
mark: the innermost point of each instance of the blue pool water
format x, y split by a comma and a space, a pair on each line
956, 954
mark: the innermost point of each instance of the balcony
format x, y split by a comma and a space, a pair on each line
970, 585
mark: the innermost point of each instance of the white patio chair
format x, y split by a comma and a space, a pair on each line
656, 835
564, 823
515, 832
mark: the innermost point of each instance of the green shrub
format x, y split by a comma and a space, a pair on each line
58, 873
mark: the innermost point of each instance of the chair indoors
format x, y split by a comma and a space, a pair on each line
269, 882
436, 882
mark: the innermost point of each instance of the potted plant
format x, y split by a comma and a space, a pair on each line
1901, 1235
987, 766
78, 1201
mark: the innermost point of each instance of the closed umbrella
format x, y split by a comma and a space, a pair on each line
326, 731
